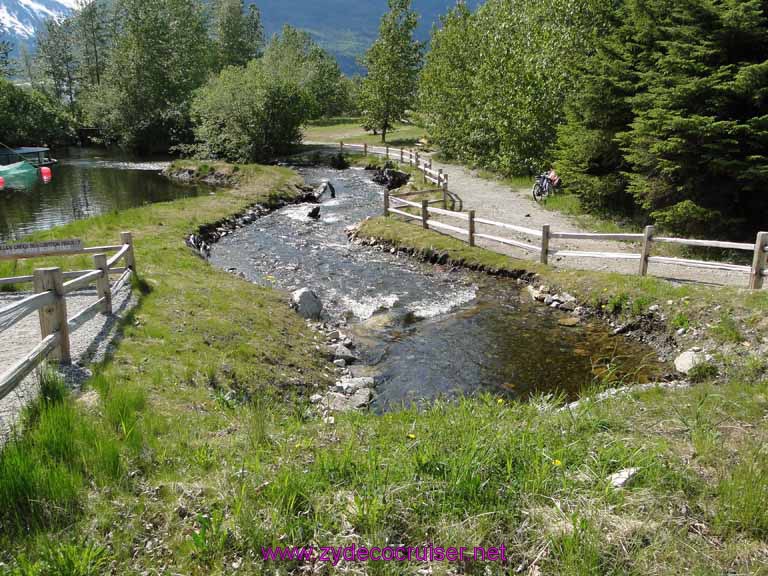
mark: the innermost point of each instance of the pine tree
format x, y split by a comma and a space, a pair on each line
697, 144
393, 64
672, 116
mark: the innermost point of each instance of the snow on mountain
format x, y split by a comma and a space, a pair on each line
21, 18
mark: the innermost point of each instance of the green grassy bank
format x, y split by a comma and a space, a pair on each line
350, 130
198, 450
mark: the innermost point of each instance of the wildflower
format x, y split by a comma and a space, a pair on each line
557, 463
500, 401
412, 436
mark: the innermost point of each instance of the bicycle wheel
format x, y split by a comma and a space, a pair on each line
539, 191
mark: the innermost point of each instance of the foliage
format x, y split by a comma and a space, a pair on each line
247, 114
494, 84
238, 32
671, 117
393, 64
6, 47
57, 60
162, 54
92, 23
294, 57
30, 117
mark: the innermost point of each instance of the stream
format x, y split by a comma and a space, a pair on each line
424, 332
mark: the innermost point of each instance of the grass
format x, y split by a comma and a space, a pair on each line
350, 130
165, 473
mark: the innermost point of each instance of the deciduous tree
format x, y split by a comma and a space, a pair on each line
393, 63
238, 32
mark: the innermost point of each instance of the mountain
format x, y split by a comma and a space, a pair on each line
343, 27
21, 18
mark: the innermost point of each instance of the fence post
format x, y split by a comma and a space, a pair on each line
758, 262
341, 147
471, 227
365, 149
387, 149
545, 244
402, 155
130, 257
445, 182
103, 289
646, 250
386, 202
425, 213
410, 157
53, 318
417, 158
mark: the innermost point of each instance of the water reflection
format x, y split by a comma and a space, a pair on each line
86, 182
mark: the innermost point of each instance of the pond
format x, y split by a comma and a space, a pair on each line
86, 182
423, 331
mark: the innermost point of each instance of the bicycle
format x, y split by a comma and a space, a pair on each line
545, 185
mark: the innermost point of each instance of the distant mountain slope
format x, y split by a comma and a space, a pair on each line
21, 18
344, 27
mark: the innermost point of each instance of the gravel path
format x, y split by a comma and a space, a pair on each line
89, 345
496, 201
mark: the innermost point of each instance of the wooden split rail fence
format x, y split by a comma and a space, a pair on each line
541, 240
51, 287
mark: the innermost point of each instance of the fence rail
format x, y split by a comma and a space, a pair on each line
50, 302
540, 239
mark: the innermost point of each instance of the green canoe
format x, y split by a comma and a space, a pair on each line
19, 175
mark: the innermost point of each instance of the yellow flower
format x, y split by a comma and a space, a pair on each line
500, 401
557, 463
412, 436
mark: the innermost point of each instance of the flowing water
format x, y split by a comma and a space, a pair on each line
423, 331
86, 182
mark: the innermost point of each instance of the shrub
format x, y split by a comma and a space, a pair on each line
247, 115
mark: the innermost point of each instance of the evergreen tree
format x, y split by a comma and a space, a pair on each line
238, 31
698, 141
393, 64
670, 120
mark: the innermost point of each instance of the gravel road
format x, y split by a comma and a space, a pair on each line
89, 345
496, 201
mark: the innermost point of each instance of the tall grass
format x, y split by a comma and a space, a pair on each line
45, 469
743, 496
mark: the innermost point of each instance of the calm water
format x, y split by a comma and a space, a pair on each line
423, 331
86, 182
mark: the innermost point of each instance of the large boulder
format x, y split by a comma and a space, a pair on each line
307, 304
391, 178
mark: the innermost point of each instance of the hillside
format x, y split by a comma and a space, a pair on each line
344, 27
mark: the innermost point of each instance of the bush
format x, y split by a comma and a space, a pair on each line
247, 115
30, 117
